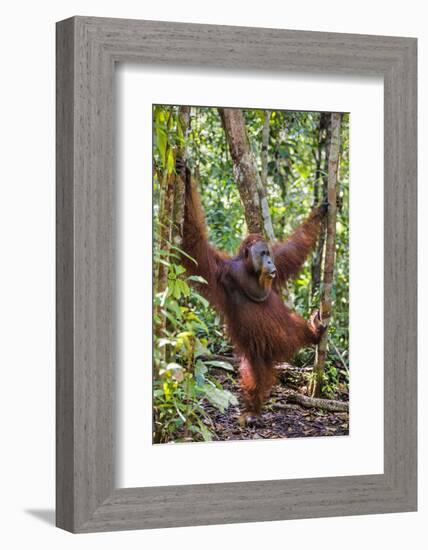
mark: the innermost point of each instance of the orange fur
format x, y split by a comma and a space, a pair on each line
263, 332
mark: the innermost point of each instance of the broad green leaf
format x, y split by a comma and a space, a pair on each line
220, 365
200, 371
197, 279
161, 141
201, 299
165, 342
219, 398
170, 162
206, 434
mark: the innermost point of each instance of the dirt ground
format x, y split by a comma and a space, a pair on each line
280, 418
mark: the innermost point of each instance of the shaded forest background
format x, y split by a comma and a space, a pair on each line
194, 395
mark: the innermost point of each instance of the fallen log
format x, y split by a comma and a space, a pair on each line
283, 406
287, 367
330, 405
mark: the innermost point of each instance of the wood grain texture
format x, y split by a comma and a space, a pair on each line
64, 276
87, 49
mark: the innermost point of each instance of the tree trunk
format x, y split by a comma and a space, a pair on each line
250, 185
320, 191
330, 246
165, 223
178, 207
265, 148
171, 215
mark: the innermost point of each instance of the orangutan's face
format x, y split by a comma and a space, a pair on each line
262, 261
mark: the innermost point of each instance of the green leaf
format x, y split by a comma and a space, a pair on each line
220, 365
197, 279
174, 307
170, 165
219, 398
206, 434
200, 371
161, 141
173, 247
201, 299
180, 414
165, 342
171, 318
184, 287
200, 349
176, 291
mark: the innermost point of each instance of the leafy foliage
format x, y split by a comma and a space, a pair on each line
182, 380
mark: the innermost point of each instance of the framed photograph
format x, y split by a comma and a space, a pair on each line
236, 274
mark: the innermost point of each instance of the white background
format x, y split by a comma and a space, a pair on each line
362, 451
27, 286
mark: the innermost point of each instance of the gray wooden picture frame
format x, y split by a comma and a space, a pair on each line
87, 50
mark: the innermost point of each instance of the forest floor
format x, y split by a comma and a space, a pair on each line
280, 418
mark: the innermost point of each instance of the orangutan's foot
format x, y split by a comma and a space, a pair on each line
249, 420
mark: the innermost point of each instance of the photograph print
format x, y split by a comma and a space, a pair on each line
250, 274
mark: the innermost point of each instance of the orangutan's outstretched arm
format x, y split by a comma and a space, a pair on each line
209, 261
291, 254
